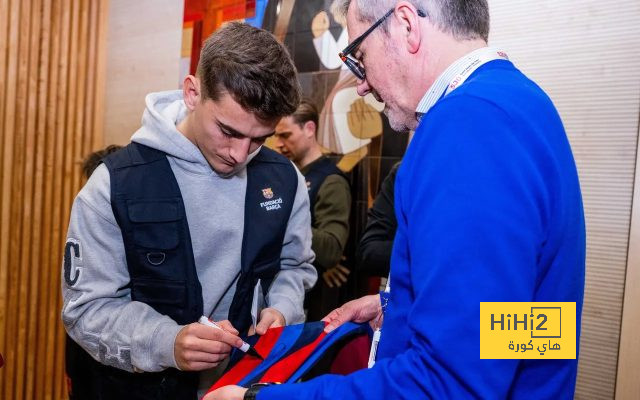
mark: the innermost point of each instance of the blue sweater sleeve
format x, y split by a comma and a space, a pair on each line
472, 205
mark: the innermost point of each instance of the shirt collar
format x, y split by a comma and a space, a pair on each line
439, 86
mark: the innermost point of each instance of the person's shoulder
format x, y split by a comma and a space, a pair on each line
504, 86
335, 190
337, 181
97, 191
99, 179
460, 106
495, 94
275, 162
461, 120
271, 156
389, 181
498, 74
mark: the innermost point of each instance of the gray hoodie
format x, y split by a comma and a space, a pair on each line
98, 312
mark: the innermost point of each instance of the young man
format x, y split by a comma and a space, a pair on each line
488, 206
194, 217
330, 198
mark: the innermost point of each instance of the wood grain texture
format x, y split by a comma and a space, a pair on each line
627, 383
51, 81
8, 210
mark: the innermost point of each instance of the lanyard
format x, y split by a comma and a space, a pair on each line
384, 298
456, 74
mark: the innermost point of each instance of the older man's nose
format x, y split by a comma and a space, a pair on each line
363, 87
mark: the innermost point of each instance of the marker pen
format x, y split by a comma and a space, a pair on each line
378, 332
246, 347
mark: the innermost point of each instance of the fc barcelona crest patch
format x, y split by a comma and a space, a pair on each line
271, 203
267, 193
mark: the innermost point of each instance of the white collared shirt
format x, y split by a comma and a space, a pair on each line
455, 75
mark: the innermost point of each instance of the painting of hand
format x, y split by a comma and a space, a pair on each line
320, 24
364, 121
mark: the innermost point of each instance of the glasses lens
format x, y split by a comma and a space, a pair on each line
355, 67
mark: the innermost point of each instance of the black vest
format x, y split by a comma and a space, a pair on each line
148, 206
318, 171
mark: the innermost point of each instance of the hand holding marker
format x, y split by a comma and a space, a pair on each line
246, 347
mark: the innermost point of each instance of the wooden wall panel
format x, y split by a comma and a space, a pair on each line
52, 67
584, 53
627, 383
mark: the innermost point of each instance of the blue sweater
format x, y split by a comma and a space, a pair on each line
489, 209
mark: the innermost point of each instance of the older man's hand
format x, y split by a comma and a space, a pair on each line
230, 392
364, 309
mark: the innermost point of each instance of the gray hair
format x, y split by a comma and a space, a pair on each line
464, 19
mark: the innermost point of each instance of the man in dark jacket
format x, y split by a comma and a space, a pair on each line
374, 250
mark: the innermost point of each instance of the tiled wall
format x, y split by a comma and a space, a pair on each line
332, 89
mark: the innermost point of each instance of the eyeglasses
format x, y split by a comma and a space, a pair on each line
352, 63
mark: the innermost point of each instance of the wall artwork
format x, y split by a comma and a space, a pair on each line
352, 128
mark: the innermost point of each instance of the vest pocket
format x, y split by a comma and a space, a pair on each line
155, 224
153, 211
165, 296
155, 233
160, 236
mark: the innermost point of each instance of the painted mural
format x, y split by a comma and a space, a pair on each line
352, 128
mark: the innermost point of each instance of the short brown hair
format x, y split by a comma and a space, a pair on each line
305, 112
253, 67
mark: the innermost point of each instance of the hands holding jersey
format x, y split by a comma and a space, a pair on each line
198, 347
364, 309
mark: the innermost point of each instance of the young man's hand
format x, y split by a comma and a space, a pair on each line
198, 347
269, 318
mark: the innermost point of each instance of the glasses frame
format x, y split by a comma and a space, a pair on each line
345, 55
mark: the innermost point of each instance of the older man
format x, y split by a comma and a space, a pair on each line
488, 206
